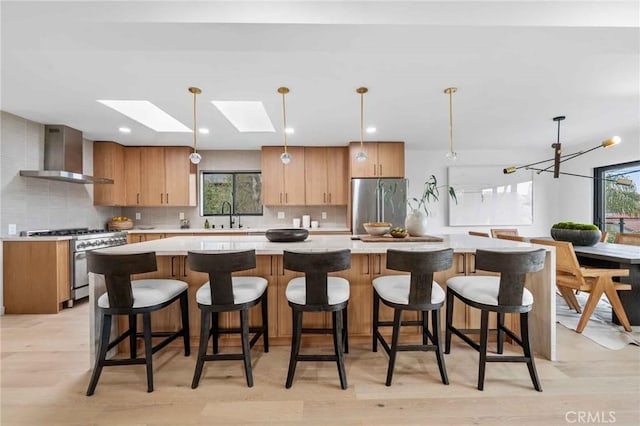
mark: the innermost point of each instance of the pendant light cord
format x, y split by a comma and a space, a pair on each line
195, 125
284, 122
361, 121
451, 120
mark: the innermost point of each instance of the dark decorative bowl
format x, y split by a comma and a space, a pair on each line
576, 236
289, 235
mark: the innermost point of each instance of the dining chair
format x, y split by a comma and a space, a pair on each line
628, 238
500, 294
503, 231
224, 293
416, 292
570, 276
132, 298
317, 292
479, 234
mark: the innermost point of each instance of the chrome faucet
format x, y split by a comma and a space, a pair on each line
231, 221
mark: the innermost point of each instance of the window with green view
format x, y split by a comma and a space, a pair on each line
241, 190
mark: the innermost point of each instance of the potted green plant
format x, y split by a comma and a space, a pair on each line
416, 222
579, 234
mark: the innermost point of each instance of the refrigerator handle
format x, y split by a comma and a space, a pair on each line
381, 204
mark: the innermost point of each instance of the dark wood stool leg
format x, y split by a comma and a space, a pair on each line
133, 329
526, 346
345, 329
397, 318
148, 349
435, 320
337, 345
265, 321
500, 336
205, 331
246, 350
101, 353
449, 323
215, 327
425, 327
184, 310
484, 337
295, 345
376, 310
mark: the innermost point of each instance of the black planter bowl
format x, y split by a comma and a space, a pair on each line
577, 237
287, 235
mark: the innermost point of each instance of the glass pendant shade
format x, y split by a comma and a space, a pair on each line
452, 155
285, 157
361, 156
195, 158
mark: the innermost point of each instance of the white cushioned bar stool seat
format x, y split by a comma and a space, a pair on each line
317, 292
416, 292
224, 293
500, 294
337, 290
395, 289
483, 289
245, 290
132, 298
150, 292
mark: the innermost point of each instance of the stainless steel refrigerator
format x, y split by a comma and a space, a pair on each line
378, 200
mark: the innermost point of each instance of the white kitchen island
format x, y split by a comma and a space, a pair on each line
368, 261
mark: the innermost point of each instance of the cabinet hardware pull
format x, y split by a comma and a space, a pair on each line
374, 169
324, 197
286, 198
281, 198
138, 198
329, 198
380, 167
167, 198
173, 258
184, 266
161, 198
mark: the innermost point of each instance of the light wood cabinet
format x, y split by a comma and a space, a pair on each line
141, 237
160, 176
36, 276
283, 184
108, 162
326, 176
384, 159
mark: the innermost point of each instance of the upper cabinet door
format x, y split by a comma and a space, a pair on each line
152, 177
367, 168
316, 179
272, 176
132, 165
294, 177
391, 159
180, 177
108, 161
337, 175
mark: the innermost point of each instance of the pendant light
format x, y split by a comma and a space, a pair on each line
361, 156
285, 157
195, 157
451, 155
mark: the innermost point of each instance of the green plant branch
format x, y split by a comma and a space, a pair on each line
431, 194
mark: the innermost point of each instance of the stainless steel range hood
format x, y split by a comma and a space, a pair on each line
63, 157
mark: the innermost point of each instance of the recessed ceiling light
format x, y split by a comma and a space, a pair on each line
146, 113
124, 130
289, 130
371, 130
203, 131
246, 116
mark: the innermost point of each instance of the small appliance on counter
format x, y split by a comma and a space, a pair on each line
184, 224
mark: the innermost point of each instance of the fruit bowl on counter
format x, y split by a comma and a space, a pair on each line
120, 223
377, 228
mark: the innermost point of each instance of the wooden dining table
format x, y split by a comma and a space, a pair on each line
624, 256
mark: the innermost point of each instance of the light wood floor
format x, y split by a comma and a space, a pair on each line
44, 369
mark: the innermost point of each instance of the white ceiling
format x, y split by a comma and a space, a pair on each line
516, 65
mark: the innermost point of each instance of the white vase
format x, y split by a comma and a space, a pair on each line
416, 223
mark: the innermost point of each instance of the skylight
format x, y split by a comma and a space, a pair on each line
146, 113
246, 116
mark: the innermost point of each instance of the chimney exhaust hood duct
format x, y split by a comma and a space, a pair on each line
63, 157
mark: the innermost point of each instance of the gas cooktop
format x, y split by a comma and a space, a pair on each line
63, 232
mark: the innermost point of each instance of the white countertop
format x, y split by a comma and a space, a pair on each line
180, 246
34, 239
227, 230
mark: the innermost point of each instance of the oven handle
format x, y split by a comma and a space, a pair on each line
80, 255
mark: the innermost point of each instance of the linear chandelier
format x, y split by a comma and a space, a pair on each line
559, 158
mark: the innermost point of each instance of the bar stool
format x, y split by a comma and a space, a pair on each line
224, 293
503, 294
132, 298
316, 292
415, 292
